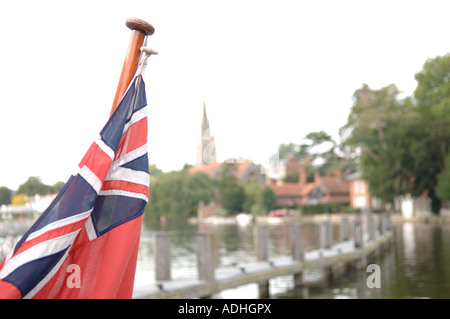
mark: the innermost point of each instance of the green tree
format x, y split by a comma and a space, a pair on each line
433, 105
232, 194
403, 144
5, 195
269, 199
176, 195
34, 186
324, 153
253, 196
377, 129
443, 185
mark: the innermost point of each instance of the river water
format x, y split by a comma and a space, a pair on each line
416, 264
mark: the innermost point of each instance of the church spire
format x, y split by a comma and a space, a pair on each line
206, 149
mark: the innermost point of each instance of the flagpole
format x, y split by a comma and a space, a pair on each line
140, 29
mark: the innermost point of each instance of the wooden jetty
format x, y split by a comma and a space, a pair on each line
371, 233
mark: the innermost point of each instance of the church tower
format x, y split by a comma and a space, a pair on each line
206, 148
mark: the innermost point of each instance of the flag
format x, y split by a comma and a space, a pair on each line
85, 244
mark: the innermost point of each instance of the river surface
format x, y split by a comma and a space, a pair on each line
416, 264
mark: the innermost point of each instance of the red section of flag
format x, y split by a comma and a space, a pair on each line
99, 263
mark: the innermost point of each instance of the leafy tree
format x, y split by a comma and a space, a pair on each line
443, 185
376, 129
324, 153
403, 144
253, 196
34, 186
5, 195
232, 194
268, 198
176, 195
433, 106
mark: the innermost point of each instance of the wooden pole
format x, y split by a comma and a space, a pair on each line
326, 235
345, 229
140, 29
162, 256
205, 257
262, 243
297, 250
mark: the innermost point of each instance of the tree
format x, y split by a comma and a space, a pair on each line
403, 144
377, 129
34, 186
176, 195
269, 199
323, 152
253, 197
231, 193
433, 105
443, 185
5, 195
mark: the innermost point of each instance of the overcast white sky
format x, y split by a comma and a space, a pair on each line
269, 72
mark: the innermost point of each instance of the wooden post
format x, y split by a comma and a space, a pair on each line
262, 243
162, 256
345, 229
262, 254
359, 242
358, 232
297, 250
297, 242
205, 257
140, 29
381, 223
388, 221
371, 226
326, 234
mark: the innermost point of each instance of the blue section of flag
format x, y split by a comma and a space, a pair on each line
25, 277
138, 164
113, 210
76, 197
110, 135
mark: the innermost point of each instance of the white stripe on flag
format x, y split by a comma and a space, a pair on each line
136, 117
128, 175
90, 229
40, 250
105, 148
124, 193
59, 223
91, 178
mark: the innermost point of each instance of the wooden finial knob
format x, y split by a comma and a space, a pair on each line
140, 25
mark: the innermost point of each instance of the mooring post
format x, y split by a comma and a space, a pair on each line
205, 257
262, 243
162, 256
326, 234
388, 221
371, 226
297, 250
381, 223
345, 229
361, 262
262, 254
358, 232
